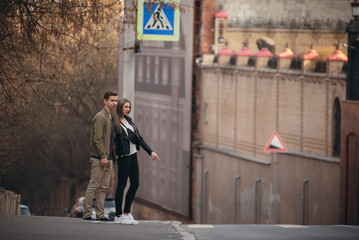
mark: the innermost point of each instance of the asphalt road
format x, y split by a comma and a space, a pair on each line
274, 232
56, 228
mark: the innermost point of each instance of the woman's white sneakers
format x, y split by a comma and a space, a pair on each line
129, 216
125, 219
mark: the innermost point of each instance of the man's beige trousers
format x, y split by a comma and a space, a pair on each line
97, 188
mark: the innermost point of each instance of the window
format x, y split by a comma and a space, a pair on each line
336, 127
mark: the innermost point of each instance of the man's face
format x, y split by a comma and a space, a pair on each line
111, 103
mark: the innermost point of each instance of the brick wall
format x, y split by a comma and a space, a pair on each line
208, 9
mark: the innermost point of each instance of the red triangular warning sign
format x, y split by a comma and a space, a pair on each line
275, 144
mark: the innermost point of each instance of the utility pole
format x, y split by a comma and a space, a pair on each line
126, 73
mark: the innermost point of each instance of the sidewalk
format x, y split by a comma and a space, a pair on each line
60, 228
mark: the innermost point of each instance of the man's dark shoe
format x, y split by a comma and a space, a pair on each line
105, 219
90, 219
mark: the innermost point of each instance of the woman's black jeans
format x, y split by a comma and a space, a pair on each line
127, 168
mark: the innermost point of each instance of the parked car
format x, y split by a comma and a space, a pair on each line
25, 210
78, 208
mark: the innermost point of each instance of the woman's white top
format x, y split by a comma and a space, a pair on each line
133, 148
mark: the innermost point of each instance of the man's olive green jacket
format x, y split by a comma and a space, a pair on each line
100, 135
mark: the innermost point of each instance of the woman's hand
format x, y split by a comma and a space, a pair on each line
154, 156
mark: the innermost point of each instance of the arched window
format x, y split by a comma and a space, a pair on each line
336, 127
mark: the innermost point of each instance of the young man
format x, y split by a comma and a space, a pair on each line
101, 147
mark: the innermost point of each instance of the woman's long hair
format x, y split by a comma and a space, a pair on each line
119, 113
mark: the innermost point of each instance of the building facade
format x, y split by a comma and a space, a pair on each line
242, 99
163, 75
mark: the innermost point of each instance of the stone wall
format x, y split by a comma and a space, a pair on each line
242, 107
144, 210
321, 192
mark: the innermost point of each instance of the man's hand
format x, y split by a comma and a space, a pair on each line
104, 162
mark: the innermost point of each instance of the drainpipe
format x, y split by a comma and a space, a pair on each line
235, 198
256, 199
204, 186
305, 181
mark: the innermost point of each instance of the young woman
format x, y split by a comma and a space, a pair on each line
128, 142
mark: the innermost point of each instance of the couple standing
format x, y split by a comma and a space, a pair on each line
107, 128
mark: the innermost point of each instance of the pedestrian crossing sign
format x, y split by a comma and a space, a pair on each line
158, 20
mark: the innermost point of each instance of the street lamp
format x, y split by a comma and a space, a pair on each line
352, 90
355, 8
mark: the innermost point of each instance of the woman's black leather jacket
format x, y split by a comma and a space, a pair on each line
123, 142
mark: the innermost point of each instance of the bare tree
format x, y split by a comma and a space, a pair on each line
57, 57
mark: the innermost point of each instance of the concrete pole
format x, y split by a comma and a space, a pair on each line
126, 73
126, 64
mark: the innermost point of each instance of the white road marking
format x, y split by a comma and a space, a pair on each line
291, 226
200, 226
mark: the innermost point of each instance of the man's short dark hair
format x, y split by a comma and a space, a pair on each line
109, 94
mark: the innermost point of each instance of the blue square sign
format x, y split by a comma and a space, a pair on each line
158, 21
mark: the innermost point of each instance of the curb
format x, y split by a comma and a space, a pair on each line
177, 227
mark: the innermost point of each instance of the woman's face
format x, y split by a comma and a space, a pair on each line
126, 108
